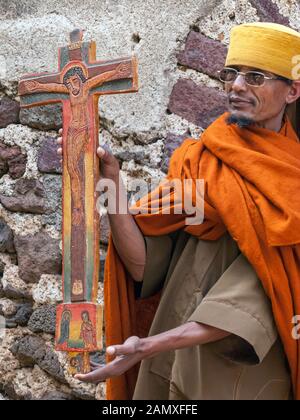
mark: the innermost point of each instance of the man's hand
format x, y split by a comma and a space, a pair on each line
109, 166
31, 86
137, 349
126, 356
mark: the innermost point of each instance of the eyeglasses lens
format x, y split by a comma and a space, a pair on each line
252, 78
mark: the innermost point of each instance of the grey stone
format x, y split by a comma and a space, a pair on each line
203, 54
48, 159
31, 350
199, 104
37, 255
10, 324
6, 238
55, 396
126, 156
44, 118
82, 394
53, 193
11, 393
43, 320
12, 292
9, 112
23, 314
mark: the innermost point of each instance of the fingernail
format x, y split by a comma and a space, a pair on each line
110, 350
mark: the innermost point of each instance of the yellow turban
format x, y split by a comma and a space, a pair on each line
266, 46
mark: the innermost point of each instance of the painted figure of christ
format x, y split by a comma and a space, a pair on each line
78, 86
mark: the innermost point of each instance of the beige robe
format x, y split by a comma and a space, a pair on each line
211, 282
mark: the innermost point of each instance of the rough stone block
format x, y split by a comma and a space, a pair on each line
203, 54
9, 112
37, 255
199, 104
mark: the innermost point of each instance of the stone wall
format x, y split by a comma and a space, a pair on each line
180, 46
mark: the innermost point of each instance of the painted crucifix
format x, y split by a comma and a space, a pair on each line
78, 84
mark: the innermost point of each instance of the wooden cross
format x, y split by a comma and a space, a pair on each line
78, 84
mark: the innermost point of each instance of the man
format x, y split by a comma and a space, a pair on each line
230, 286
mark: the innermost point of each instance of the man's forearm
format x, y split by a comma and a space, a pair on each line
127, 237
187, 335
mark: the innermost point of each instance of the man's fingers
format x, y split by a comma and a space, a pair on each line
60, 131
103, 154
60, 151
92, 377
98, 375
129, 347
59, 140
97, 365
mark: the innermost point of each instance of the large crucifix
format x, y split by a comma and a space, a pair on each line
78, 84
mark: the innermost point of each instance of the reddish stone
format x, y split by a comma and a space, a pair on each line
171, 143
9, 112
199, 104
268, 11
203, 54
37, 255
12, 161
48, 159
28, 197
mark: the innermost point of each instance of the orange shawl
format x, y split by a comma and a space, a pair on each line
252, 190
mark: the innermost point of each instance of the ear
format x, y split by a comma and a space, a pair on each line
294, 92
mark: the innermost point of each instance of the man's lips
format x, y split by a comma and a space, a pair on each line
240, 101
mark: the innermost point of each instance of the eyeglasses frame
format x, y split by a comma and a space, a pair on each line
244, 74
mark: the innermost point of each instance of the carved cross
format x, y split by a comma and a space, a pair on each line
78, 84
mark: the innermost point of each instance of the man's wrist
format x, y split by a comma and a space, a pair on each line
147, 348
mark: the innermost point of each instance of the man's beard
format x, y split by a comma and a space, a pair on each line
241, 122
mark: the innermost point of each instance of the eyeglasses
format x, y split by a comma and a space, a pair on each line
252, 78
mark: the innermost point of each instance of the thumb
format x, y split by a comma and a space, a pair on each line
129, 347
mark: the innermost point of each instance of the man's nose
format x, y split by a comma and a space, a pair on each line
239, 84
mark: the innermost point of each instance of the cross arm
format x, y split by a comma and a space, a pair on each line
123, 70
31, 86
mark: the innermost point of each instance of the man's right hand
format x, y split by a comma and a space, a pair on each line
109, 166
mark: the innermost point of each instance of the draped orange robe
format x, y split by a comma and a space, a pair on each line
252, 190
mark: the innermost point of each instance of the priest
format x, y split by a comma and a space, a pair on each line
205, 311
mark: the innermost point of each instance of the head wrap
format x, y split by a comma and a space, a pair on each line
266, 46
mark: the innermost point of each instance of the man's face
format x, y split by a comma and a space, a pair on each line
259, 104
74, 84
